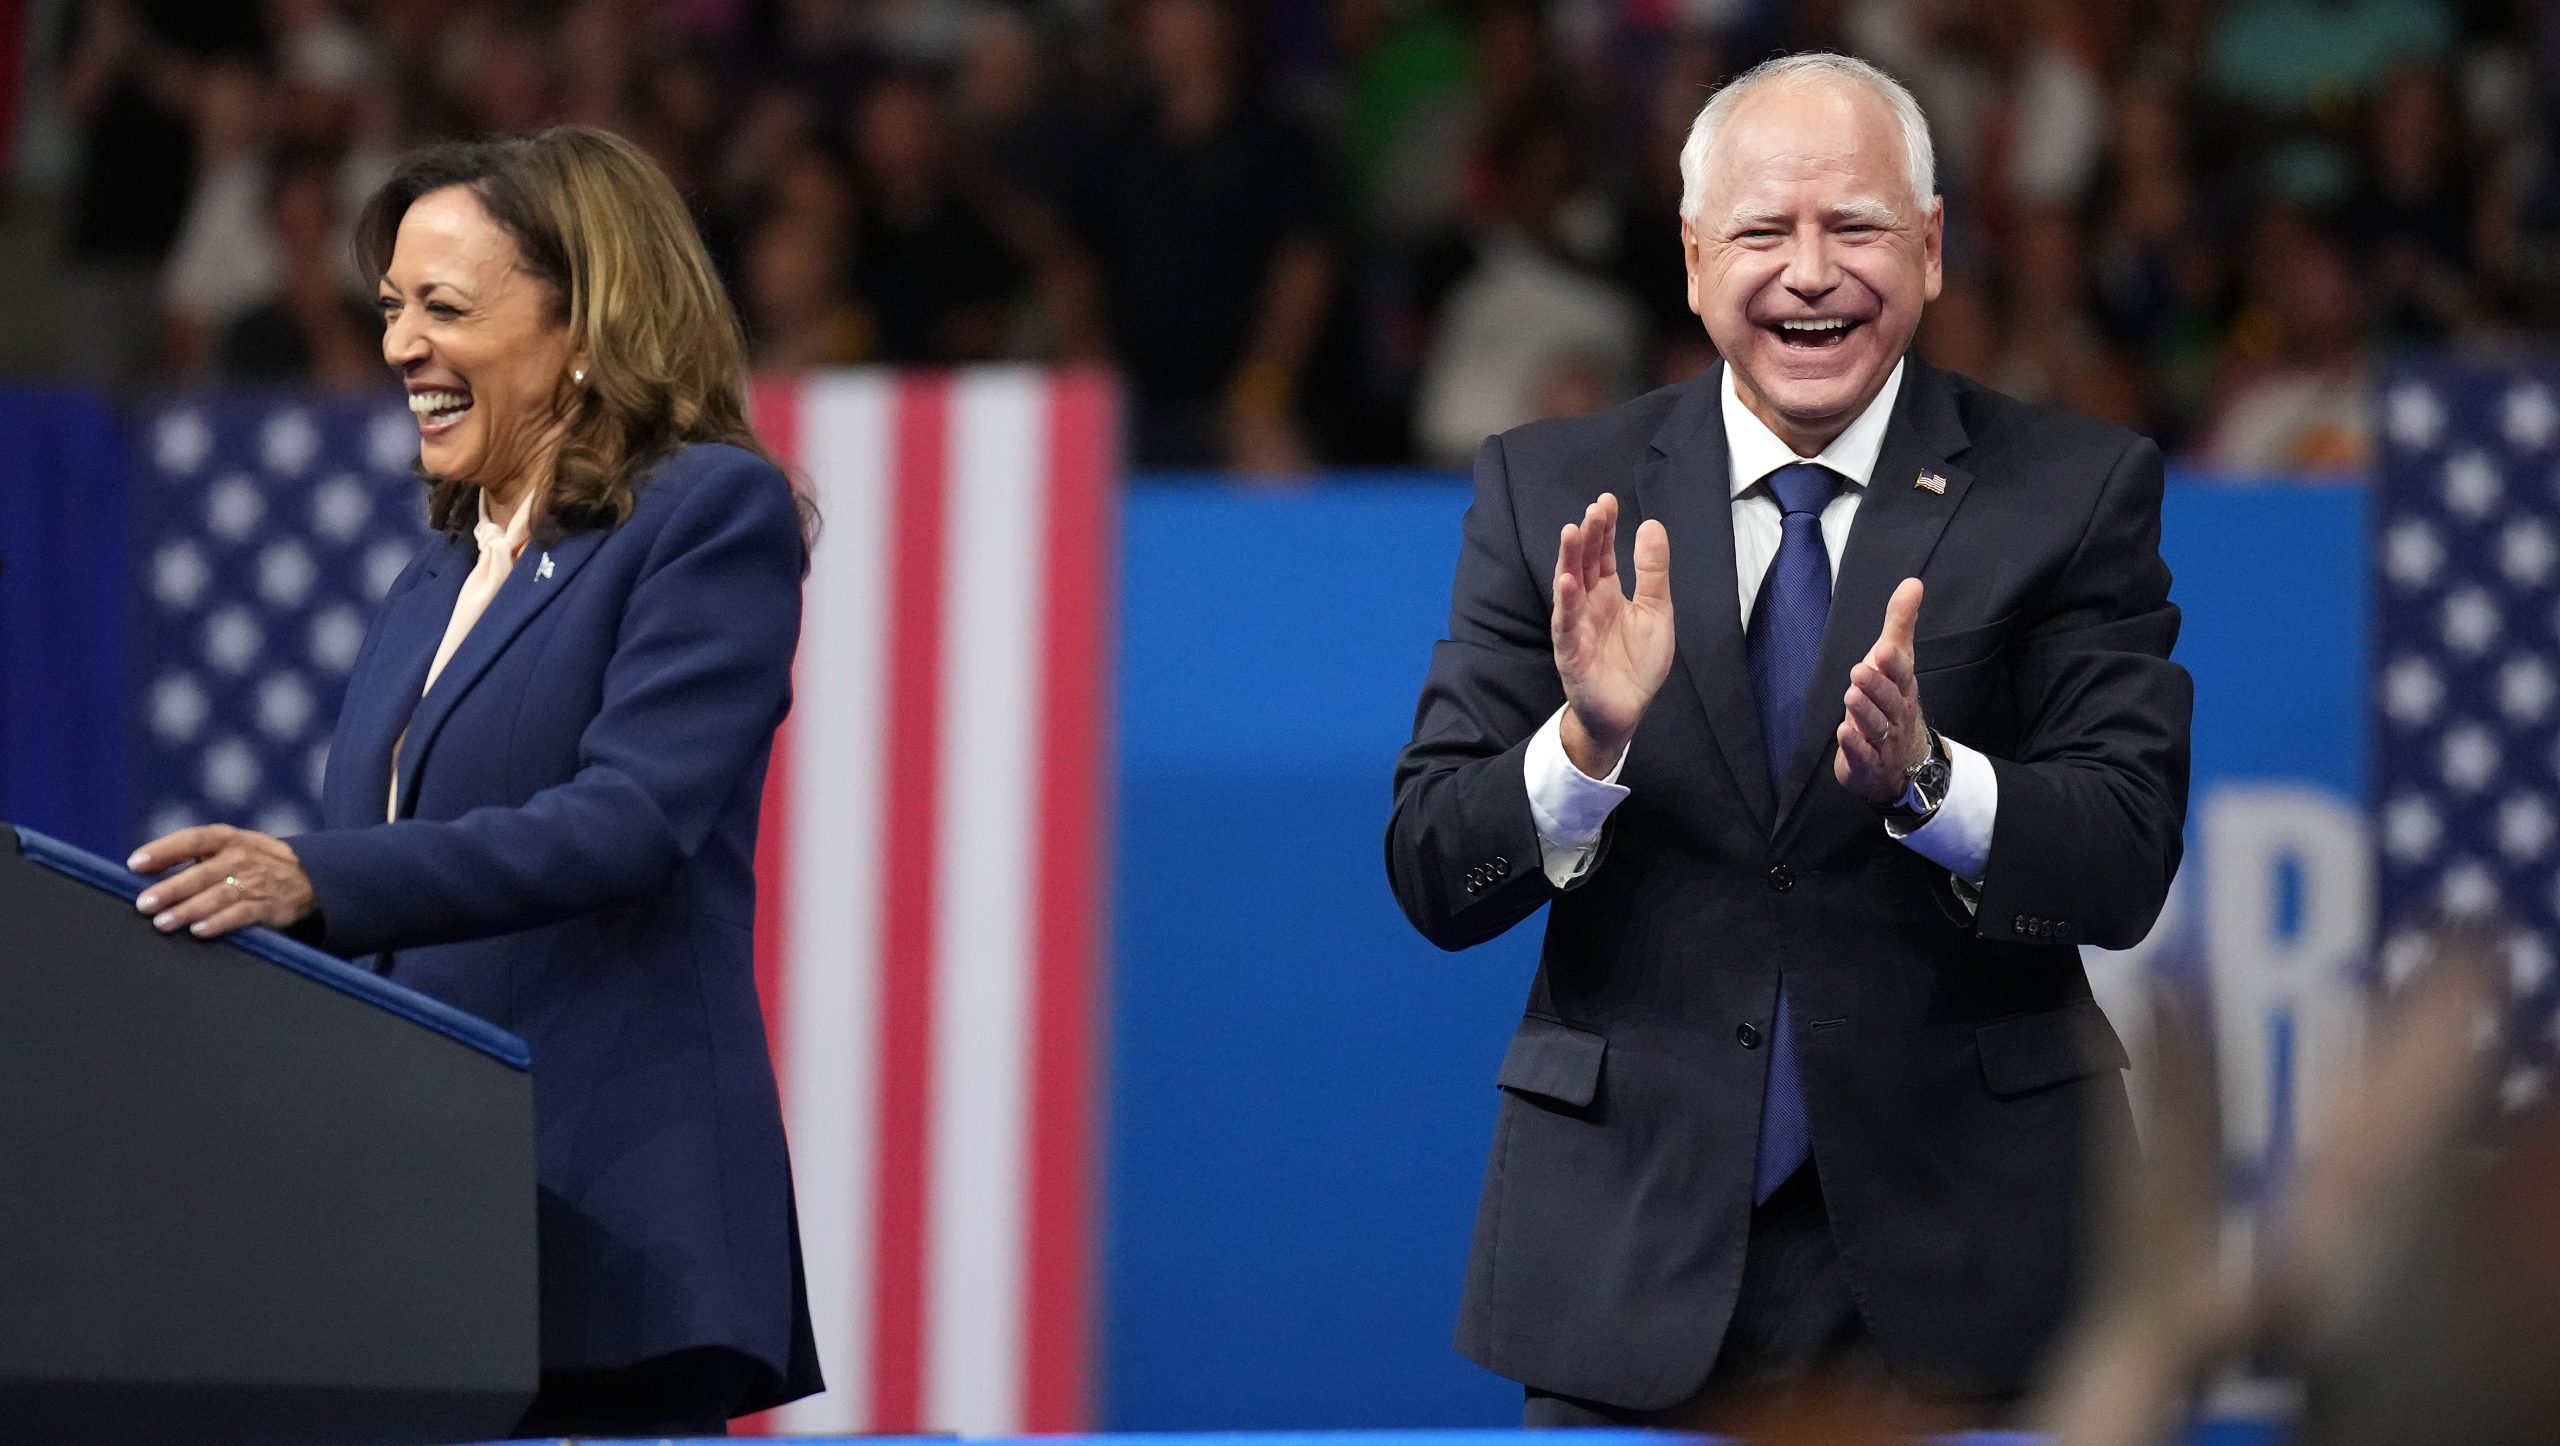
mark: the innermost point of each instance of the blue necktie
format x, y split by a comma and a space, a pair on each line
1785, 636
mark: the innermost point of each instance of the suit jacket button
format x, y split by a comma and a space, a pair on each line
1501, 866
2018, 925
1747, 1035
1781, 878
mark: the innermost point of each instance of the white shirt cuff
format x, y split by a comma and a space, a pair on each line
1568, 806
1957, 837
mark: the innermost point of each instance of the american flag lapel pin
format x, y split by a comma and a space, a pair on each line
1929, 482
542, 573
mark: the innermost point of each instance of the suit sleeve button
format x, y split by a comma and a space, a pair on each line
1747, 1035
2018, 925
1501, 866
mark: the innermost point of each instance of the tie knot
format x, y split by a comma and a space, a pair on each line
1802, 487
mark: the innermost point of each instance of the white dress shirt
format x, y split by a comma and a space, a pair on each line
500, 546
1569, 807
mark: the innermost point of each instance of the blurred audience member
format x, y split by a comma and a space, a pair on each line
799, 310
128, 86
224, 260
228, 260
2154, 266
2058, 121
1411, 78
313, 327
599, 63
1005, 108
1205, 209
316, 45
2053, 352
1527, 333
2417, 217
2296, 393
811, 50
505, 76
940, 280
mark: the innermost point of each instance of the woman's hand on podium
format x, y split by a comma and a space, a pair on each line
228, 878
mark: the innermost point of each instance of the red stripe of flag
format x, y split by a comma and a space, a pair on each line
1056, 1317
773, 406
907, 967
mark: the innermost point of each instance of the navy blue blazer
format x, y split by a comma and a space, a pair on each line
1954, 1065
573, 861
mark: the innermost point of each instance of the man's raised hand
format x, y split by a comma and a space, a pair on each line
1881, 734
1612, 650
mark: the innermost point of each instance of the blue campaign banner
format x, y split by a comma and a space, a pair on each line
1301, 1088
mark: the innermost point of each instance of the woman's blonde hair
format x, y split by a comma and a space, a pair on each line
602, 228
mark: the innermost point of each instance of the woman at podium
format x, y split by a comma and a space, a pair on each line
542, 793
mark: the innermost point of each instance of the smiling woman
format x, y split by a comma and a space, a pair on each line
543, 793
555, 284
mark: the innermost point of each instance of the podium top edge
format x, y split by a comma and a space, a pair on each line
274, 948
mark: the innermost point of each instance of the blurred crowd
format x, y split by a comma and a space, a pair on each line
1349, 232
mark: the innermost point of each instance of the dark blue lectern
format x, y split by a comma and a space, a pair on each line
248, 1192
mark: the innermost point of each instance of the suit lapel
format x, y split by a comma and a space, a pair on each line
1690, 494
1897, 528
540, 575
380, 703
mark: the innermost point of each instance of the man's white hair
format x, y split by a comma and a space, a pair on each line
1920, 165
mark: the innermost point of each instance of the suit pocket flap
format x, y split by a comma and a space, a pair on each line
1954, 650
1554, 1060
2031, 1051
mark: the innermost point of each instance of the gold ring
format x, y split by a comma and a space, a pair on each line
234, 881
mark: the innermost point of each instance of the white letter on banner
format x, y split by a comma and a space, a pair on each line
2301, 986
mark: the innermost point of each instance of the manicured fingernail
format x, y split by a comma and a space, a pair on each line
199, 926
147, 903
164, 921
138, 862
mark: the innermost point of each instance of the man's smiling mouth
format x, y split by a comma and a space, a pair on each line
1818, 334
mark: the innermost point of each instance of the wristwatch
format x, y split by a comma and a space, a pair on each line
1924, 788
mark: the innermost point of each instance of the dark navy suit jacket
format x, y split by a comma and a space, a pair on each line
578, 799
1954, 1065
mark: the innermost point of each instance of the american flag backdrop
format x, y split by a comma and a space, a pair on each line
2467, 679
931, 873
269, 528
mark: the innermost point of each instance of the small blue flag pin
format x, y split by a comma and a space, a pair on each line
1929, 482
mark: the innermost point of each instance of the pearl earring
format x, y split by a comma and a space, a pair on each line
579, 376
